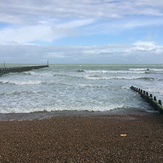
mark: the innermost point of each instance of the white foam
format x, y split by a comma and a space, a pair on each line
18, 82
116, 71
138, 69
117, 77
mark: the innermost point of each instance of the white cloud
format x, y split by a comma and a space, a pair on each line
144, 43
48, 20
145, 46
77, 23
45, 31
49, 31
26, 34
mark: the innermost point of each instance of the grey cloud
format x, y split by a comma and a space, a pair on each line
36, 10
81, 54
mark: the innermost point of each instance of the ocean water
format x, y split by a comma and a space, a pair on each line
79, 87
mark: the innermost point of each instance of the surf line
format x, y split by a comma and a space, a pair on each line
157, 105
20, 69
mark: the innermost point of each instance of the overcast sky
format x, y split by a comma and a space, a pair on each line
81, 31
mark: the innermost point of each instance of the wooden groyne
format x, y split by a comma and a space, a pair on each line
157, 105
7, 70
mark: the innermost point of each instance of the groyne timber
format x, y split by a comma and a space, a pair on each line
6, 70
157, 105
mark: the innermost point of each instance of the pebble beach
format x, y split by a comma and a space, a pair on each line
82, 138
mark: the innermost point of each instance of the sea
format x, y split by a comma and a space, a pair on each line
78, 87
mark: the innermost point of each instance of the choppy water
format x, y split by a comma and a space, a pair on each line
79, 87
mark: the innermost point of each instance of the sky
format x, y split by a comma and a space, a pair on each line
81, 32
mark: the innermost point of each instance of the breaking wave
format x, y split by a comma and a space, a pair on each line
17, 82
118, 78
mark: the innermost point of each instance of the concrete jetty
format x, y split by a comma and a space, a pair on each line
157, 105
6, 70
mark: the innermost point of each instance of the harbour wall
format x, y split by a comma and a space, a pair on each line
6, 70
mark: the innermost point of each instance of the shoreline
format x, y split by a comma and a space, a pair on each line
46, 115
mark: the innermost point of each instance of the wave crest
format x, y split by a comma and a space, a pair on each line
17, 82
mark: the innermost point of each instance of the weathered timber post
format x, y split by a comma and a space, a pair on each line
160, 107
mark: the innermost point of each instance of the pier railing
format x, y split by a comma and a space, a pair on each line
7, 70
157, 105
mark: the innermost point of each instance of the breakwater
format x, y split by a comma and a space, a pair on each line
157, 105
7, 70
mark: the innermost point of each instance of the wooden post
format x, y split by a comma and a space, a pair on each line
160, 109
155, 98
160, 102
